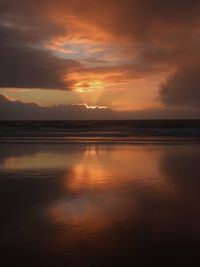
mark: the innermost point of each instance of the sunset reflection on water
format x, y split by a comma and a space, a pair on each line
98, 200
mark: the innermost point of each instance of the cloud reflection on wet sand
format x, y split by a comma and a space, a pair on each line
124, 201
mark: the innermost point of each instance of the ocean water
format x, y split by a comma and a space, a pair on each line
98, 131
99, 204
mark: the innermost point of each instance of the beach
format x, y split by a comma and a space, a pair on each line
99, 204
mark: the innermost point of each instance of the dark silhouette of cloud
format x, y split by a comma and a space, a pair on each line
183, 88
32, 68
25, 66
17, 110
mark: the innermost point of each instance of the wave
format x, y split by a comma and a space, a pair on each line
99, 131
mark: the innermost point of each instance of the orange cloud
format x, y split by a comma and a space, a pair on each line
96, 47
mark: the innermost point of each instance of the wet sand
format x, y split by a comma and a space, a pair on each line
99, 204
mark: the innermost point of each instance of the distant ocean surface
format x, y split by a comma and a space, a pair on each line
99, 131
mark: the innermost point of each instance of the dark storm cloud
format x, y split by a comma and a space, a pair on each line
26, 67
31, 68
17, 110
183, 88
24, 63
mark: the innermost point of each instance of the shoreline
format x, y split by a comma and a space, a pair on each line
98, 140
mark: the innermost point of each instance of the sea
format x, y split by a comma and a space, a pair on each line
99, 131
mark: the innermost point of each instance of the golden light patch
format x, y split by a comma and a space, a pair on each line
91, 80
85, 82
88, 86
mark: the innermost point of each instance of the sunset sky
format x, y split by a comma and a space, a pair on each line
129, 58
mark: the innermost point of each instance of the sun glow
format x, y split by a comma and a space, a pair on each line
88, 86
91, 107
88, 80
95, 107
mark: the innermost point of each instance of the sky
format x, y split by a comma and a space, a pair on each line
98, 59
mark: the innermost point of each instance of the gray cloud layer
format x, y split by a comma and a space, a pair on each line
17, 110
